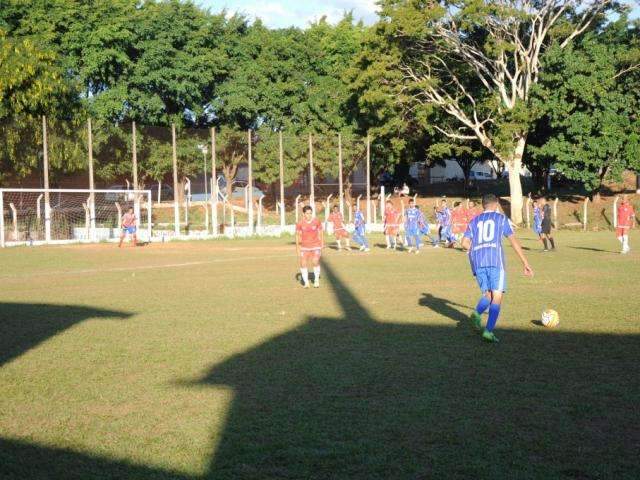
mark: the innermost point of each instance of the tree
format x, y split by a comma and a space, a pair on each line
586, 100
477, 60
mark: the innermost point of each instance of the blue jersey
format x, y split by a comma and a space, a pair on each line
537, 219
358, 221
445, 217
486, 232
412, 219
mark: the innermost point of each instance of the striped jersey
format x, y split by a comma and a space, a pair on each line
412, 218
537, 217
359, 221
445, 217
486, 232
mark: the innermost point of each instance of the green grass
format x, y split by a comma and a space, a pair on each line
207, 360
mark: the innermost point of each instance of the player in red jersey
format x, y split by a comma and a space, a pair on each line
458, 220
473, 211
309, 244
626, 221
391, 225
128, 226
339, 230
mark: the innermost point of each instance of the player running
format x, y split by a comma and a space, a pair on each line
128, 224
309, 244
360, 231
412, 216
458, 221
626, 221
391, 225
339, 230
424, 228
483, 241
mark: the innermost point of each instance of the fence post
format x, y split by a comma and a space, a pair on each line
358, 202
149, 206
415, 198
233, 220
260, 213
584, 213
45, 159
296, 205
134, 169
187, 190
87, 218
92, 199
555, 213
350, 213
615, 211
368, 182
527, 212
119, 209
38, 208
327, 209
340, 181
375, 212
1, 218
250, 182
282, 201
206, 216
176, 206
312, 197
214, 184
382, 205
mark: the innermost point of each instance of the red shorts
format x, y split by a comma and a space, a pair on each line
391, 230
310, 253
620, 231
341, 233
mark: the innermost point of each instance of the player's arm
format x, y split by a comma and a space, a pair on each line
528, 271
298, 240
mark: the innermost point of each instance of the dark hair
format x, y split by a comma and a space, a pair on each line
411, 200
306, 209
130, 208
456, 204
334, 207
489, 199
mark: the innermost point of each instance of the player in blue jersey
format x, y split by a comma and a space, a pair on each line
483, 241
360, 231
537, 219
412, 216
423, 227
446, 230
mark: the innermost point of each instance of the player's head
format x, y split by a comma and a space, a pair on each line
412, 203
490, 202
307, 211
472, 204
443, 202
625, 198
335, 209
130, 210
389, 204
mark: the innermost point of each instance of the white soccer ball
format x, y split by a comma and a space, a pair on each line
550, 318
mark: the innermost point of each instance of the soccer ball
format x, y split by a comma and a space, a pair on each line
550, 318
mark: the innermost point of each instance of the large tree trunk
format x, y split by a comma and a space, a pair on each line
515, 186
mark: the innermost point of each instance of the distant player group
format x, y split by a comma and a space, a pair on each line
479, 233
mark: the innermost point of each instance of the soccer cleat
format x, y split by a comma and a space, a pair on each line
435, 245
316, 284
417, 252
366, 249
488, 336
362, 247
476, 321
305, 285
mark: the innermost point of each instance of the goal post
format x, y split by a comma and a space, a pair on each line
70, 215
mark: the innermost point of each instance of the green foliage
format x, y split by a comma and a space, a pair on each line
586, 100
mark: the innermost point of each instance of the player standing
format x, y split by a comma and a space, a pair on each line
483, 241
537, 219
412, 226
458, 220
626, 221
545, 226
391, 225
128, 224
360, 230
339, 230
309, 244
473, 211
446, 230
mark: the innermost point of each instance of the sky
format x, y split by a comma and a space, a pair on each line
285, 13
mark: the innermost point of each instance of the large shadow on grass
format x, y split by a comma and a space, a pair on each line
355, 398
26, 325
352, 397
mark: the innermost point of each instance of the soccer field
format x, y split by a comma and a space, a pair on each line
208, 360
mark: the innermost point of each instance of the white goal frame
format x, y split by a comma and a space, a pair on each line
139, 196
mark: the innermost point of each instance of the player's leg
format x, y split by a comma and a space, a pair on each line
497, 285
482, 277
304, 271
387, 237
417, 241
134, 237
122, 234
545, 242
315, 260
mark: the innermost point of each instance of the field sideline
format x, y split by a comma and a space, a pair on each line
208, 360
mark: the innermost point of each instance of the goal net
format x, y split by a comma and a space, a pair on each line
38, 216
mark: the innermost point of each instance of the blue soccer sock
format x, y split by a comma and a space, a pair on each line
482, 305
494, 312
